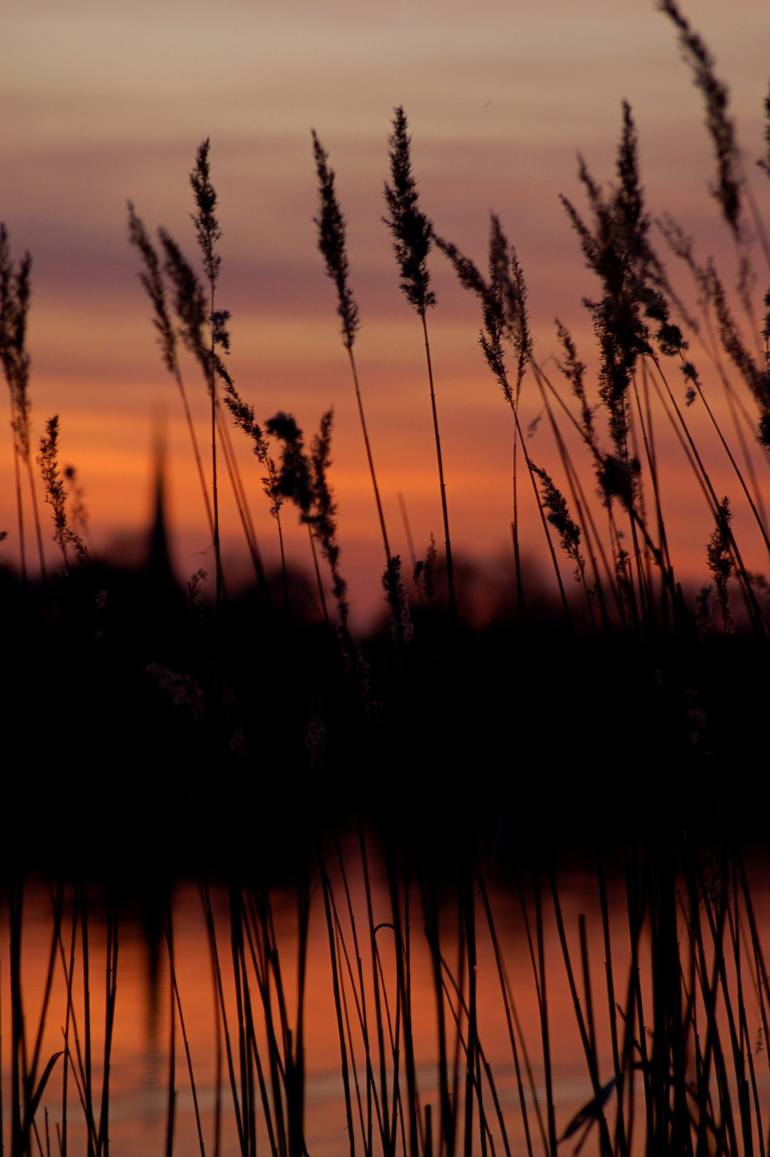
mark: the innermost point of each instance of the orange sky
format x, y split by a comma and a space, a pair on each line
104, 102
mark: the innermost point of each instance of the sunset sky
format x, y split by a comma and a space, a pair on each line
105, 102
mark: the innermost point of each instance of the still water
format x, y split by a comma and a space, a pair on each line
147, 1074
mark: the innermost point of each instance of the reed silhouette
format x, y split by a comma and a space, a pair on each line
400, 788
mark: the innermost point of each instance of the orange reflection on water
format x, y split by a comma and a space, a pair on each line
139, 1060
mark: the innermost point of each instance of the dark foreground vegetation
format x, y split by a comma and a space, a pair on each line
145, 719
617, 721
642, 699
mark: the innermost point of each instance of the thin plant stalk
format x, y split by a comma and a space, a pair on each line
412, 239
241, 501
209, 234
440, 467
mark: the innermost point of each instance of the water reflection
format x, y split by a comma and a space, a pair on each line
244, 1018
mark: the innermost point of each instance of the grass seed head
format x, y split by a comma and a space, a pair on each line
728, 187
151, 279
205, 220
412, 231
332, 243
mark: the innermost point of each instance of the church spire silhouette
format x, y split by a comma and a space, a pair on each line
158, 563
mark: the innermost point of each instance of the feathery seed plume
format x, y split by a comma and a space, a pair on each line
324, 518
303, 478
151, 280
756, 378
574, 371
244, 418
425, 572
557, 513
294, 477
720, 559
395, 593
728, 189
189, 302
14, 310
205, 220
56, 493
616, 248
331, 242
412, 230
78, 508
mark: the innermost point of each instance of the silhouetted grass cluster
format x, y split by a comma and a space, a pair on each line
606, 446
278, 667
621, 711
629, 664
